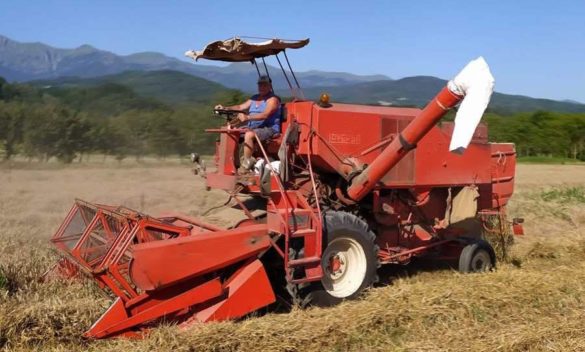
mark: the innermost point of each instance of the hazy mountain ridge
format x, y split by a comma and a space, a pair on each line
33, 61
418, 90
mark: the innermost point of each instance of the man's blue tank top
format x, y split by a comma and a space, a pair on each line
272, 121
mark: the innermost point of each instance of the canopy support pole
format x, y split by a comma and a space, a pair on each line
293, 74
286, 77
265, 68
256, 65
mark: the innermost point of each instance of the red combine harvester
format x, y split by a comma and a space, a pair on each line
346, 188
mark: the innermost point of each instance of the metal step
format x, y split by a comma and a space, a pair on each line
303, 261
296, 211
306, 279
302, 233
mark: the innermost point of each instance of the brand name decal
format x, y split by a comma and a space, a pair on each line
344, 138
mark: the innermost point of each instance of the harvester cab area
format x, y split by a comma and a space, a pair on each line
346, 189
270, 146
273, 153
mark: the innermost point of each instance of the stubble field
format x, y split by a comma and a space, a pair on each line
536, 301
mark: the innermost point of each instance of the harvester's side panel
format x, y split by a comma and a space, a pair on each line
353, 131
503, 171
346, 130
436, 166
345, 134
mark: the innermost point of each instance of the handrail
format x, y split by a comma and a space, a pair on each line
287, 203
319, 232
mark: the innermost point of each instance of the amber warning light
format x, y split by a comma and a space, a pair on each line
324, 100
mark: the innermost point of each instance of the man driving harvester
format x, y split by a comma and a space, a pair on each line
262, 119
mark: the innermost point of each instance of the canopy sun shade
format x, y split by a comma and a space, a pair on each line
237, 50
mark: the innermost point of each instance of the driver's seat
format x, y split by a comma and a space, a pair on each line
271, 145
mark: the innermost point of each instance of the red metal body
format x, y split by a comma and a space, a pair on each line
389, 166
167, 267
398, 147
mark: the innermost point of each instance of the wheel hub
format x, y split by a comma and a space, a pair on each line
344, 265
337, 265
481, 262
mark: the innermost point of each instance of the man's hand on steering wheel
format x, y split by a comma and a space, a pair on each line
222, 110
234, 118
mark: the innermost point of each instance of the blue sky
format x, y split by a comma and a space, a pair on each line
534, 48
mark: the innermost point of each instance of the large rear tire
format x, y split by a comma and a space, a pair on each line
349, 262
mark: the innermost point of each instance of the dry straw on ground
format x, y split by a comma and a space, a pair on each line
535, 303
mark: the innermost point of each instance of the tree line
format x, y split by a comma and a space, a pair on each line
111, 120
541, 133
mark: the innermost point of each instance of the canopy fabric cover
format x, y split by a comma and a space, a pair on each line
237, 50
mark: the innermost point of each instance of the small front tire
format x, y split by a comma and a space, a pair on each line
477, 257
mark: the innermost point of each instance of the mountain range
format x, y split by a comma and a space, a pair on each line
419, 90
33, 61
175, 81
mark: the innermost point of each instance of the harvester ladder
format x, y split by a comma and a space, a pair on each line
312, 235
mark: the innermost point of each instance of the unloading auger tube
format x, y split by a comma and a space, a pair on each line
474, 85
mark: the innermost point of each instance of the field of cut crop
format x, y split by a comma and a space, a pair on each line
534, 302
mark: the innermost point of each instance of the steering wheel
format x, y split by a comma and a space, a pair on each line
231, 116
227, 112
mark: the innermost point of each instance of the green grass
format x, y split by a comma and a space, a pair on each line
564, 195
3, 282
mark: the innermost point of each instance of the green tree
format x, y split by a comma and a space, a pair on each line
134, 127
575, 129
163, 134
191, 123
12, 117
57, 131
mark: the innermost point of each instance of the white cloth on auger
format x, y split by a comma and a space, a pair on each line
476, 82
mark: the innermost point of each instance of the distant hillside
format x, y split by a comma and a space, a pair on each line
418, 90
170, 87
107, 99
33, 61
177, 88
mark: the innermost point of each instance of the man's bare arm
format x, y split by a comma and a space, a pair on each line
271, 107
